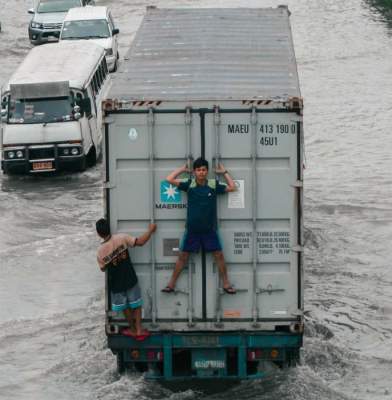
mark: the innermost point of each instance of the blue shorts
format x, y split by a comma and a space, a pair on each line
132, 298
191, 242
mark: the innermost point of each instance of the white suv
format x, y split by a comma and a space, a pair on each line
96, 24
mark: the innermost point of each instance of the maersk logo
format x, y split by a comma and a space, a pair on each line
170, 193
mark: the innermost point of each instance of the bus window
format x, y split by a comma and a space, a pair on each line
94, 85
100, 74
99, 79
105, 66
86, 102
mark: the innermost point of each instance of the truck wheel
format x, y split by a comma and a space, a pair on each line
141, 367
120, 363
294, 358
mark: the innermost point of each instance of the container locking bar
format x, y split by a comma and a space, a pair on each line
151, 127
189, 158
217, 156
188, 125
255, 291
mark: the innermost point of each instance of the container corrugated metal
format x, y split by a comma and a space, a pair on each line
222, 84
210, 54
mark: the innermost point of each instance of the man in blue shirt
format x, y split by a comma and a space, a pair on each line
201, 223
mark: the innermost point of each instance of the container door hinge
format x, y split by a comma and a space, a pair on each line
109, 120
297, 313
298, 184
109, 185
298, 249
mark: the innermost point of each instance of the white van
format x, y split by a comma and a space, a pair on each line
51, 118
95, 24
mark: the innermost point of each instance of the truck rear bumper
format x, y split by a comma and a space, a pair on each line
168, 356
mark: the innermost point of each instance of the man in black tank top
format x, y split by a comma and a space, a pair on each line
113, 256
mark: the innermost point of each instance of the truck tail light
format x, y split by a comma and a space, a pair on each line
274, 353
135, 354
255, 354
153, 355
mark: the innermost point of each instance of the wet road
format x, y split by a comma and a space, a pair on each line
52, 343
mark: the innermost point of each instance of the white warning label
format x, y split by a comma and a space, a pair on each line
237, 199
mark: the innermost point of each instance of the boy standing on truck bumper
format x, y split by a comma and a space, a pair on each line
113, 256
201, 224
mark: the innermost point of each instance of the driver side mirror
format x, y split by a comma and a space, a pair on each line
115, 31
4, 114
85, 106
76, 113
30, 11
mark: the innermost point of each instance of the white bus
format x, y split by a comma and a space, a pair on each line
51, 118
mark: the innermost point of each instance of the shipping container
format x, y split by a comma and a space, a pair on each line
222, 84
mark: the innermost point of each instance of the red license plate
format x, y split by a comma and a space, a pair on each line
42, 165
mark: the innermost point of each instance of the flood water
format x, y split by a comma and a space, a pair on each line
52, 341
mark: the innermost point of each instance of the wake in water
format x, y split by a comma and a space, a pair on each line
71, 360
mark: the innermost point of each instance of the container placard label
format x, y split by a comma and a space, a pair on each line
237, 199
273, 242
241, 242
269, 243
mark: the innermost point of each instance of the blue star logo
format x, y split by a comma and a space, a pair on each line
169, 193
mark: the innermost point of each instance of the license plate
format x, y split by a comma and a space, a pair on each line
208, 359
210, 364
42, 165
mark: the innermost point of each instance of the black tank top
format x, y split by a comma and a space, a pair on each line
121, 273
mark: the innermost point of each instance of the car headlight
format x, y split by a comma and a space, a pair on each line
19, 154
10, 154
65, 152
36, 25
109, 52
75, 151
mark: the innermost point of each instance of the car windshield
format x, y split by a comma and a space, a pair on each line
88, 29
49, 6
39, 111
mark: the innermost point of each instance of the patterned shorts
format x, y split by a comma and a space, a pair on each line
131, 298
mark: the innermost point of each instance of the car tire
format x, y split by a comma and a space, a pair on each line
120, 363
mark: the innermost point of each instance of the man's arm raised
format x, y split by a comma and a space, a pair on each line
231, 187
172, 177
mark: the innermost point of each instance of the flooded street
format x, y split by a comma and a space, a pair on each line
52, 340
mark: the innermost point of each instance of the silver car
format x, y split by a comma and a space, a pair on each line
48, 17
